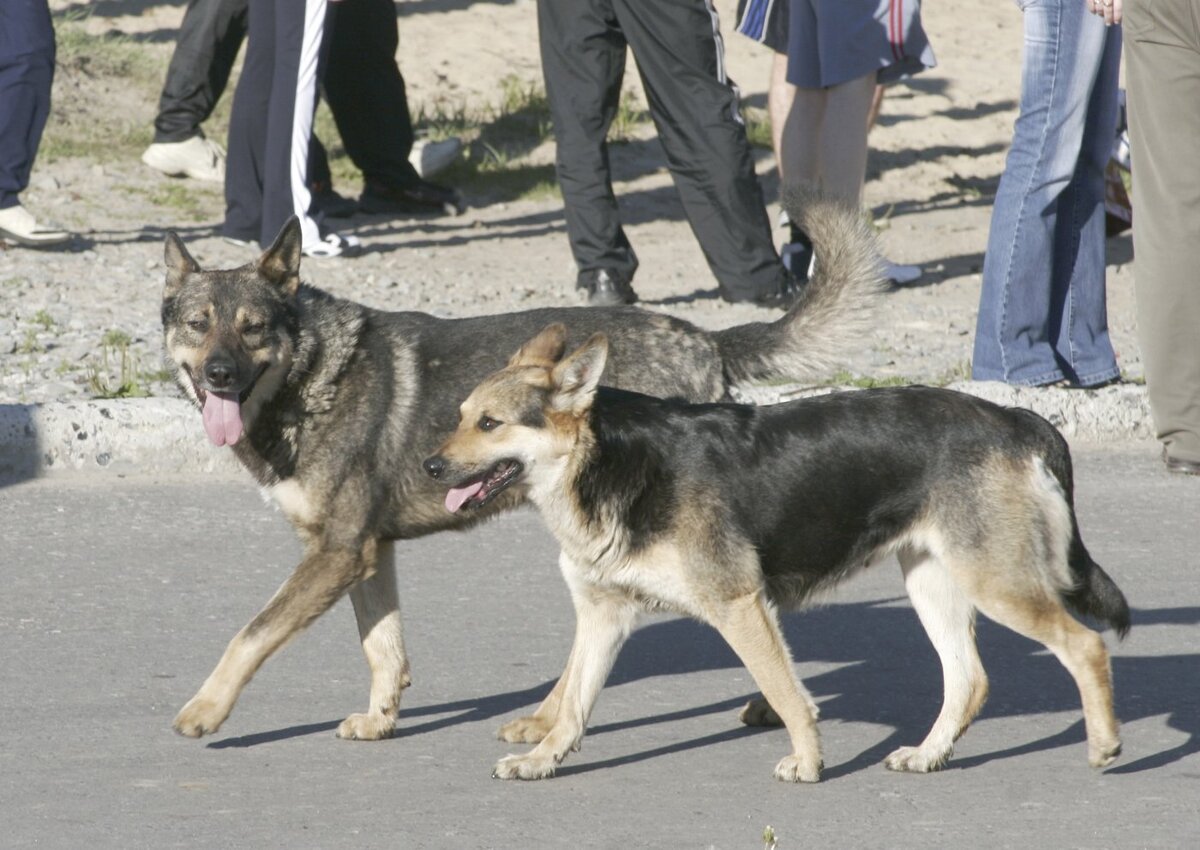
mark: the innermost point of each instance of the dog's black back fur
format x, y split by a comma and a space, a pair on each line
840, 488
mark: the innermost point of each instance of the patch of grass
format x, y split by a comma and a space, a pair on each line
865, 382
758, 128
629, 120
89, 67
29, 343
41, 317
117, 374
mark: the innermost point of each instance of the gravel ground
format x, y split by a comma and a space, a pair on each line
69, 319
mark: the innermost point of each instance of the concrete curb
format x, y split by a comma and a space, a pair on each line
164, 435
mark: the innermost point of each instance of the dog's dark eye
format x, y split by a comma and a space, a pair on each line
487, 423
198, 325
254, 328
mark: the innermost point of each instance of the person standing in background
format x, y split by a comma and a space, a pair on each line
27, 52
1042, 312
1162, 55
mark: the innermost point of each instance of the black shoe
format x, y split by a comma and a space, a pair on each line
606, 288
329, 203
420, 197
789, 292
1179, 465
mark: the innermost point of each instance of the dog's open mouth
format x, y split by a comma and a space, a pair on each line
481, 489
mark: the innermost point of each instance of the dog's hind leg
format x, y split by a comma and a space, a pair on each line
320, 580
750, 627
377, 610
949, 619
604, 622
1080, 650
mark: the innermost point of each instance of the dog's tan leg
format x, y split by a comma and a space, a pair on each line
319, 581
377, 609
751, 628
1080, 650
949, 619
604, 621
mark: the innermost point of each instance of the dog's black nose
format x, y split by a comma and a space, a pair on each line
219, 373
434, 466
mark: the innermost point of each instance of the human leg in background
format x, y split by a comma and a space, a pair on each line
367, 96
271, 127
209, 38
1162, 51
680, 56
583, 63
27, 53
1045, 258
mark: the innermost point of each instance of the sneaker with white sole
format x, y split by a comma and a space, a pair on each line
430, 157
333, 245
197, 157
18, 225
901, 275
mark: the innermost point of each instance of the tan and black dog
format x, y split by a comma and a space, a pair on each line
726, 512
332, 405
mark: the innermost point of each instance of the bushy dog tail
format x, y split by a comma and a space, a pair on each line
834, 310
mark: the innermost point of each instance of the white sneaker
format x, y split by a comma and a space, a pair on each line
429, 158
901, 275
18, 225
333, 245
197, 157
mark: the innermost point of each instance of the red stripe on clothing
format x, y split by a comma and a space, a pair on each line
896, 28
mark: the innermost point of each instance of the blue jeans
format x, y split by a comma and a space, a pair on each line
1042, 313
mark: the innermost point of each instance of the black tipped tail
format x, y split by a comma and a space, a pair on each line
1097, 595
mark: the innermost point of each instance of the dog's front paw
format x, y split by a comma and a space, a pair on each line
798, 768
1102, 755
367, 727
525, 730
524, 767
758, 712
200, 716
915, 760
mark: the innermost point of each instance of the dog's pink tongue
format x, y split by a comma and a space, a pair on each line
458, 496
223, 418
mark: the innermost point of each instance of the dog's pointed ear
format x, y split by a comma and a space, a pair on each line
544, 350
575, 379
280, 264
178, 261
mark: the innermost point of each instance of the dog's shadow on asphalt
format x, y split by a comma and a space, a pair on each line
882, 671
885, 672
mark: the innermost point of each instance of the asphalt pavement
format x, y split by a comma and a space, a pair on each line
120, 592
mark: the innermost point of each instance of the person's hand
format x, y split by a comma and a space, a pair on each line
1110, 10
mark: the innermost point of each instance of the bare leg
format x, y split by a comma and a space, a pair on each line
780, 95
825, 138
377, 609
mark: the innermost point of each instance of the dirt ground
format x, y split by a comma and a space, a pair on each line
67, 318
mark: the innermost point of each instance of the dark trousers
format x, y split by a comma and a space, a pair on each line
695, 109
26, 73
207, 46
363, 85
265, 183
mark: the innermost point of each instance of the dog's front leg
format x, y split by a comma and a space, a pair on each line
604, 621
752, 630
320, 580
377, 609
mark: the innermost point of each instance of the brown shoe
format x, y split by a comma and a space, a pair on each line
1179, 465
